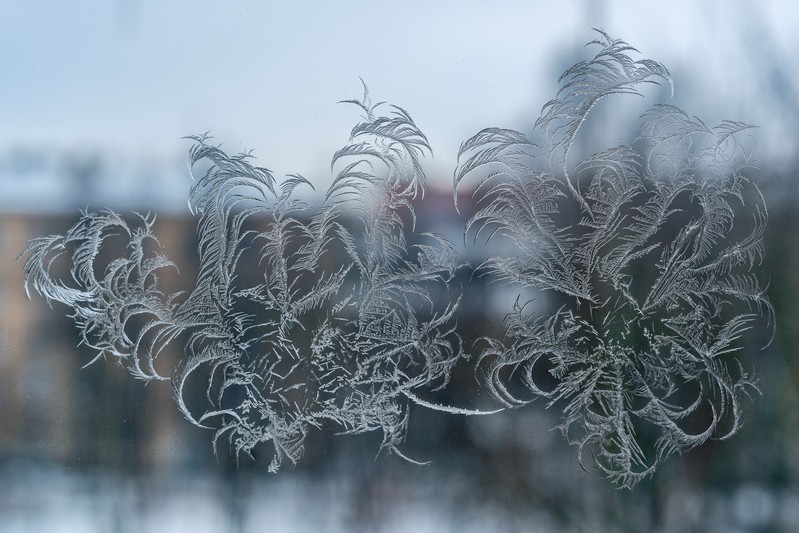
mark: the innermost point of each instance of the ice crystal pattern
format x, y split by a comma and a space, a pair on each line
339, 327
337, 316
648, 249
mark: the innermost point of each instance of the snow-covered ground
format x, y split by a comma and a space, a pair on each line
59, 500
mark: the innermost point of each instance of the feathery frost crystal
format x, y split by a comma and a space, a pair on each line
649, 249
338, 326
304, 318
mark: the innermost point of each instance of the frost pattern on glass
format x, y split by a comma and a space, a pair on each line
342, 325
336, 317
108, 309
647, 248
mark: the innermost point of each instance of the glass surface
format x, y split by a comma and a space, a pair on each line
96, 102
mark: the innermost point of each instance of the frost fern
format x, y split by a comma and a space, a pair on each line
304, 318
299, 318
648, 248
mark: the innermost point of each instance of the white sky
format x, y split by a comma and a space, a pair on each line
133, 77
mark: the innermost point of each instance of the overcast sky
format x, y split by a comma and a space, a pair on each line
133, 76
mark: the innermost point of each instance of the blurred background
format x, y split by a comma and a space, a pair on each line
95, 98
